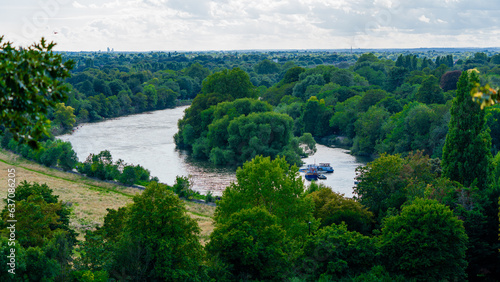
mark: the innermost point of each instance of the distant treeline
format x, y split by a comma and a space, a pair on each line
383, 102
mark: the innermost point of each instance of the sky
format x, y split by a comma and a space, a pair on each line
195, 25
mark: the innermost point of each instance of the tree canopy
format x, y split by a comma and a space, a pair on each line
271, 184
31, 84
426, 242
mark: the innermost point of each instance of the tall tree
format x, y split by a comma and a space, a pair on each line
466, 152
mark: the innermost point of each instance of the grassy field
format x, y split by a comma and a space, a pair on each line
88, 198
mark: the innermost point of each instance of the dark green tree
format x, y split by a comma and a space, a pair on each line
426, 242
152, 96
265, 133
370, 98
292, 75
266, 67
466, 152
252, 244
197, 71
430, 92
383, 183
40, 215
299, 90
159, 240
345, 115
31, 84
316, 117
368, 130
396, 78
334, 252
235, 83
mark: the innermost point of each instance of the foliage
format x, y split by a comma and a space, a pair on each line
430, 92
40, 215
416, 127
236, 131
259, 134
315, 117
300, 89
182, 187
334, 252
368, 128
273, 185
395, 78
449, 80
251, 243
235, 83
30, 86
334, 208
266, 67
64, 117
466, 152
383, 184
164, 246
219, 87
167, 236
44, 239
426, 242
49, 153
345, 115
102, 167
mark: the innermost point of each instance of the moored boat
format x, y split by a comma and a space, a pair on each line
326, 167
311, 176
312, 173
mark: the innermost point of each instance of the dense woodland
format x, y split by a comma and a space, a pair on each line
383, 102
426, 209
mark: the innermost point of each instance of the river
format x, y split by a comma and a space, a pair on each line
147, 139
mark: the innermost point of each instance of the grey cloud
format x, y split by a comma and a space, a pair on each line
369, 18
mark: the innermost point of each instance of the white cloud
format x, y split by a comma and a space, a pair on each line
78, 5
424, 19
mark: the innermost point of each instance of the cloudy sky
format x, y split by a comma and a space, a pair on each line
185, 25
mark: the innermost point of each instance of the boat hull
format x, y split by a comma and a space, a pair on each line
311, 177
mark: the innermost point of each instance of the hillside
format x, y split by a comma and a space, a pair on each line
88, 198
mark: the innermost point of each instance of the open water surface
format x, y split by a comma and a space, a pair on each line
147, 139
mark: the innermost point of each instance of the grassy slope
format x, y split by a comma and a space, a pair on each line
89, 198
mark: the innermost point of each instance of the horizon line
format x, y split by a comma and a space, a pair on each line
284, 50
